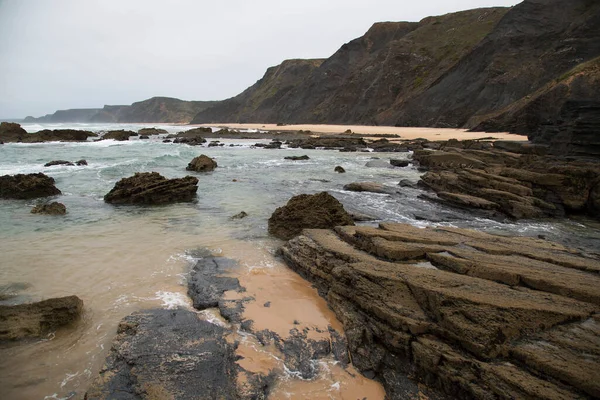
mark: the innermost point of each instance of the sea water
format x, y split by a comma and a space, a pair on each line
119, 259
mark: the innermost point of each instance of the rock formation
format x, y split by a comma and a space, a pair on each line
120, 135
12, 132
152, 188
37, 319
320, 210
151, 131
27, 186
54, 208
476, 315
202, 163
58, 162
297, 158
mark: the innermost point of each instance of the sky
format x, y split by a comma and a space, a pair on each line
60, 54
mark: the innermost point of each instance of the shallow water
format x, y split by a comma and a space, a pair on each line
122, 259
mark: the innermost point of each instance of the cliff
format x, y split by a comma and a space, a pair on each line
155, 109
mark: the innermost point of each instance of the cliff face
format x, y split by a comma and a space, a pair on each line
156, 109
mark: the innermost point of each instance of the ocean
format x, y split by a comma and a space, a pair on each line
119, 259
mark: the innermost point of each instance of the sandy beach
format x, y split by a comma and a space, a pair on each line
404, 132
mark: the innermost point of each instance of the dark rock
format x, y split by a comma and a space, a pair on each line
373, 187
11, 132
120, 135
14, 133
144, 137
81, 162
240, 215
378, 164
37, 319
193, 137
328, 142
399, 163
167, 141
307, 211
267, 304
214, 143
27, 186
513, 315
407, 183
152, 188
58, 162
151, 131
168, 354
202, 163
54, 208
297, 158
275, 144
339, 169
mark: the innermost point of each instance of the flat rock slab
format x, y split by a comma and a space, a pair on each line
152, 188
172, 354
469, 312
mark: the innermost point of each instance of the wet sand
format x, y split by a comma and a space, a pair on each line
404, 132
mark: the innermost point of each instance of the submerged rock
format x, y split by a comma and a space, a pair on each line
320, 210
339, 169
297, 158
152, 188
372, 187
240, 215
119, 135
399, 163
192, 137
202, 163
27, 186
58, 162
54, 208
151, 131
467, 312
37, 319
81, 162
172, 354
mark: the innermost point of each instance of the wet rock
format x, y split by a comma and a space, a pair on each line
339, 169
399, 163
167, 141
465, 311
240, 215
168, 354
119, 135
407, 183
81, 162
151, 131
54, 208
372, 187
275, 144
297, 158
152, 188
378, 164
37, 319
11, 132
202, 163
332, 142
27, 186
214, 143
144, 137
360, 217
384, 145
11, 291
193, 137
320, 210
58, 162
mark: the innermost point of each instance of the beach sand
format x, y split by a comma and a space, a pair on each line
404, 132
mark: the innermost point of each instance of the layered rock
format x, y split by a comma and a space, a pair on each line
37, 319
27, 186
476, 315
320, 210
202, 163
152, 188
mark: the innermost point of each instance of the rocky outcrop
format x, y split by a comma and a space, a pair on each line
372, 187
152, 188
297, 158
151, 131
37, 319
192, 137
202, 163
476, 315
320, 210
11, 132
27, 186
168, 354
54, 208
518, 185
58, 162
120, 135
328, 142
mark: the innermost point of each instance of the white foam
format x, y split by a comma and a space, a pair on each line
172, 300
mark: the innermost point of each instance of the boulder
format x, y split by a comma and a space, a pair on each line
58, 162
11, 132
320, 210
152, 188
193, 137
378, 164
27, 186
339, 169
37, 319
297, 158
474, 314
399, 163
81, 162
202, 163
373, 187
151, 131
214, 143
144, 137
119, 135
54, 208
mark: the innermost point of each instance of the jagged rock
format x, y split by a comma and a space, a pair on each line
474, 314
81, 162
202, 163
373, 187
58, 162
320, 210
151, 131
120, 135
399, 163
27, 186
54, 208
240, 215
11, 132
297, 158
37, 319
152, 188
168, 354
339, 169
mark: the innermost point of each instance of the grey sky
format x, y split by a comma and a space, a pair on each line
86, 53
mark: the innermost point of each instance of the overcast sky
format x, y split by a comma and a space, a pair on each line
86, 53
